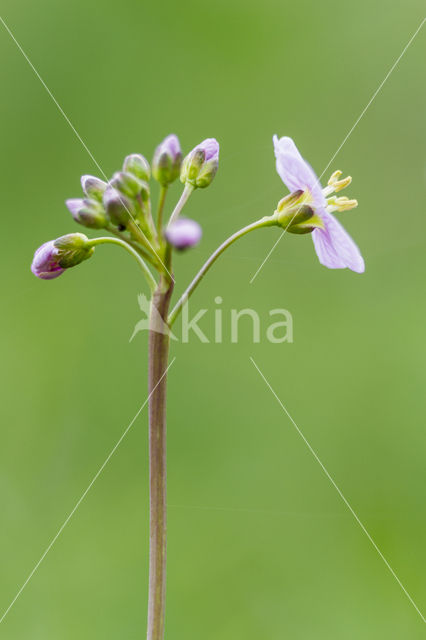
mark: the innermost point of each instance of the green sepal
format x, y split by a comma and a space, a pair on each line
128, 184
166, 166
73, 249
191, 166
290, 200
308, 226
299, 219
138, 165
91, 214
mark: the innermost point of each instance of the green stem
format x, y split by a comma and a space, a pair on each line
121, 243
161, 201
141, 236
158, 355
145, 219
133, 243
264, 222
181, 203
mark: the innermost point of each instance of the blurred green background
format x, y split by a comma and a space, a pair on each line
260, 543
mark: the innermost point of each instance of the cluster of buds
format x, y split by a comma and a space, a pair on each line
114, 204
122, 206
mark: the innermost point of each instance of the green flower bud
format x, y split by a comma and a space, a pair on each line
167, 161
72, 249
191, 166
138, 166
88, 212
128, 184
93, 187
118, 208
201, 164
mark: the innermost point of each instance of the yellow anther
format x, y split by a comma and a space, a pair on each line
336, 184
340, 204
342, 184
334, 177
344, 204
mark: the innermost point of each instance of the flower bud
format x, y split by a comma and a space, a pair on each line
299, 219
53, 257
93, 187
72, 249
183, 233
45, 262
129, 184
138, 166
167, 161
117, 207
87, 212
201, 164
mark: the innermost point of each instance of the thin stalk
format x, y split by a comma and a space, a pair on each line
264, 222
140, 250
151, 219
145, 219
154, 249
181, 203
161, 201
141, 262
141, 236
158, 354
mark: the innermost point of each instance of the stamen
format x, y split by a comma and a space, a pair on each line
335, 184
342, 184
334, 177
341, 204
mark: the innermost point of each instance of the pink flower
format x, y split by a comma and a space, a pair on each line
334, 247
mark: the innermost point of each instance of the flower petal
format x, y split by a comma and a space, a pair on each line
210, 146
334, 246
294, 171
45, 262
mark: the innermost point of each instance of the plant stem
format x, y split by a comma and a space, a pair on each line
133, 243
141, 235
181, 202
161, 201
122, 243
263, 222
158, 355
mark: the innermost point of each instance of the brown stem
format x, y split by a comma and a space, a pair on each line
157, 381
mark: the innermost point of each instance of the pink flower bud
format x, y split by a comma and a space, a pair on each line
167, 160
53, 257
201, 164
45, 263
183, 233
